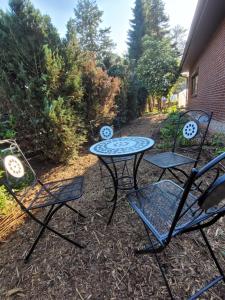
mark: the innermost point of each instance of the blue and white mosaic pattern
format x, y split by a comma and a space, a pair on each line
106, 132
13, 166
190, 130
122, 146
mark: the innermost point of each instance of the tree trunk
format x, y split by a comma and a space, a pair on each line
159, 102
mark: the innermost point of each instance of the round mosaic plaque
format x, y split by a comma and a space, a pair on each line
122, 146
14, 166
106, 132
190, 130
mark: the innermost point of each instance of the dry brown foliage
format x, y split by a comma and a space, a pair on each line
100, 90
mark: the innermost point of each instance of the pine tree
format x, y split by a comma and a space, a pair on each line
149, 19
157, 24
136, 32
91, 37
179, 39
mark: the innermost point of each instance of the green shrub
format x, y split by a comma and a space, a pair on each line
218, 143
169, 130
64, 138
7, 127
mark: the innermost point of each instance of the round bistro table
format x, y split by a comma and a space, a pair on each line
119, 147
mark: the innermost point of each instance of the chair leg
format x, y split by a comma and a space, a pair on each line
41, 232
161, 175
197, 186
212, 254
215, 280
44, 225
154, 250
76, 211
159, 264
175, 176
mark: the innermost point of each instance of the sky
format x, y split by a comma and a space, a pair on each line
117, 14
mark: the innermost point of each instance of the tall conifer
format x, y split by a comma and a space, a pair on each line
91, 37
136, 32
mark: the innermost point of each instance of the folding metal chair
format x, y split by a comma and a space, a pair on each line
191, 129
31, 193
104, 129
168, 210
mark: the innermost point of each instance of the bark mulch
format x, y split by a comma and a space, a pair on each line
107, 268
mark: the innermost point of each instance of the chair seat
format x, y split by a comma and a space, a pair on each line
64, 191
110, 160
167, 160
156, 205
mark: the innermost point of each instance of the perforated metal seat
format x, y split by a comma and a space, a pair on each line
167, 210
58, 192
190, 129
168, 159
158, 203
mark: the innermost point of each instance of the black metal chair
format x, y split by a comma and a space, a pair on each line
190, 130
103, 129
31, 193
168, 210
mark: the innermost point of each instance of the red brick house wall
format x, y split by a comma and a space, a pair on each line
211, 77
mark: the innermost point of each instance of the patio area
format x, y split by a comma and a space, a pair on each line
107, 268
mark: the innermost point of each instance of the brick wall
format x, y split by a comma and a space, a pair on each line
211, 77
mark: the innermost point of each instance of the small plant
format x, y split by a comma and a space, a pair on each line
7, 126
218, 143
169, 130
172, 109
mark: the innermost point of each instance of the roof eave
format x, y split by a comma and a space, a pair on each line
207, 17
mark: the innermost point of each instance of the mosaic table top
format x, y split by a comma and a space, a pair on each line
122, 146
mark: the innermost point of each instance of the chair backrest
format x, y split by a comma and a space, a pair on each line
191, 130
18, 176
104, 129
208, 205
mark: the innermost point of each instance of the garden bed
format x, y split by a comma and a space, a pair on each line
107, 268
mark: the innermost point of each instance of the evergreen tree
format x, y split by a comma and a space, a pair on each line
179, 39
23, 33
136, 32
157, 23
149, 19
91, 36
39, 84
150, 24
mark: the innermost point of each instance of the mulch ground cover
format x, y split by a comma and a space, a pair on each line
107, 268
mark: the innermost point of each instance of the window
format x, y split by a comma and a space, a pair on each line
194, 84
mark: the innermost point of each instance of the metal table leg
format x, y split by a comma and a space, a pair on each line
137, 161
114, 175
